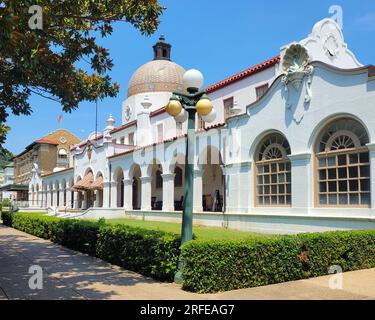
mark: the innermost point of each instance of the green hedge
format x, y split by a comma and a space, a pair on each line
7, 218
151, 253
209, 266
212, 266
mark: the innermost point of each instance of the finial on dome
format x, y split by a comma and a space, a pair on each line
110, 121
162, 49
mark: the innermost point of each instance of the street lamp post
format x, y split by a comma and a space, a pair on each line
184, 107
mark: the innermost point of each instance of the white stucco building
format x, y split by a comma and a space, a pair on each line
292, 148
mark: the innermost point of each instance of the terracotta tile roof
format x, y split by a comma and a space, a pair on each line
82, 144
85, 183
157, 112
125, 126
97, 184
166, 141
45, 141
244, 74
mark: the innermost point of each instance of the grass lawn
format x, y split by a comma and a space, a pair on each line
201, 232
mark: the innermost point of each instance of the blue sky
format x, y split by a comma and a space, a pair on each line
218, 37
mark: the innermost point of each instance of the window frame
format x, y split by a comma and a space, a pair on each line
317, 180
266, 86
227, 109
283, 160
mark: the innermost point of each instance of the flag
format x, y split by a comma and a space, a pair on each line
59, 118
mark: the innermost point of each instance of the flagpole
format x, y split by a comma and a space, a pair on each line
96, 118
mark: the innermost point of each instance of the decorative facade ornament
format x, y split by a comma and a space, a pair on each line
63, 140
331, 46
296, 69
128, 113
89, 150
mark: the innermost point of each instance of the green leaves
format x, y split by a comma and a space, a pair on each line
212, 266
151, 253
44, 61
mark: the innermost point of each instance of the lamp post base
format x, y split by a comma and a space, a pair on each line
178, 274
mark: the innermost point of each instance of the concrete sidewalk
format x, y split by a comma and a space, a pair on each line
72, 275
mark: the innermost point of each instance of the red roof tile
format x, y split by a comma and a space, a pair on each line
45, 141
243, 74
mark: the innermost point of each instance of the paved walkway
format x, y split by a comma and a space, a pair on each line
72, 275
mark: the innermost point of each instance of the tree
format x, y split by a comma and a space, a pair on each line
5, 157
44, 61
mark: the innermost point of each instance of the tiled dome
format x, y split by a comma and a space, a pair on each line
157, 75
161, 74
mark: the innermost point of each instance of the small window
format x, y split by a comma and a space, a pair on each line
114, 141
228, 106
160, 132
131, 139
260, 91
122, 140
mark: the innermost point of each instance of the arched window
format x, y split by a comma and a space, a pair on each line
343, 165
273, 172
62, 154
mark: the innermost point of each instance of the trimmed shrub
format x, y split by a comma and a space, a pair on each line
351, 250
7, 218
35, 224
78, 235
151, 253
227, 265
211, 266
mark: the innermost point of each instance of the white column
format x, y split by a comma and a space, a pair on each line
371, 147
146, 193
40, 199
76, 197
84, 201
61, 196
168, 191
301, 182
198, 191
239, 187
96, 195
128, 194
106, 190
113, 186
48, 204
68, 198
54, 198
31, 203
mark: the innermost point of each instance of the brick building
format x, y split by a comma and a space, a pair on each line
50, 153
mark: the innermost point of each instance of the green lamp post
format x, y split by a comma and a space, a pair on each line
184, 107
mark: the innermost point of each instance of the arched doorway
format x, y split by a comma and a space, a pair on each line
156, 186
135, 175
97, 186
119, 179
212, 180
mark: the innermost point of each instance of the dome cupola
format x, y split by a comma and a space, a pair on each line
158, 75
